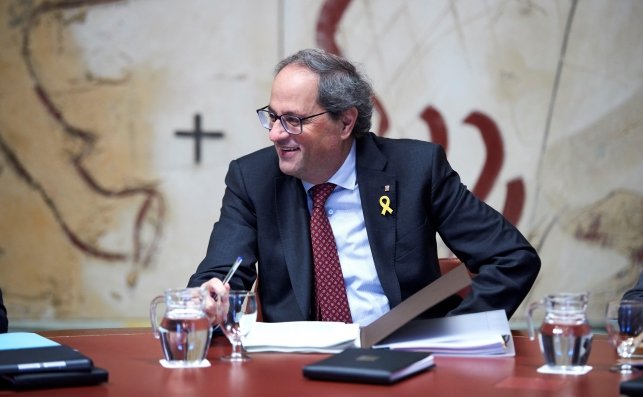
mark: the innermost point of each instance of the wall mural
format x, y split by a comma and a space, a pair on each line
83, 142
115, 132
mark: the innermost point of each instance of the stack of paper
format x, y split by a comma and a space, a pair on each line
478, 334
479, 345
302, 337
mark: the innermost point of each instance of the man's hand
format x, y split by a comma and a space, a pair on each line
216, 304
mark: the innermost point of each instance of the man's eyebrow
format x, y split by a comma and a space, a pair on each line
286, 113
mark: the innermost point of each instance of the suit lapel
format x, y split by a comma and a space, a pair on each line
292, 222
375, 184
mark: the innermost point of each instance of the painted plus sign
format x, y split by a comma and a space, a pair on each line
198, 134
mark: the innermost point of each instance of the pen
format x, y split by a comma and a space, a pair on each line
233, 269
227, 278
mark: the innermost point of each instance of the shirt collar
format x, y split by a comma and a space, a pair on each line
345, 176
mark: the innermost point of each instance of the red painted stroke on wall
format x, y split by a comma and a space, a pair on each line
330, 15
494, 147
495, 155
514, 200
437, 127
494, 152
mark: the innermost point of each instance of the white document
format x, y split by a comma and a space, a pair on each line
301, 337
477, 334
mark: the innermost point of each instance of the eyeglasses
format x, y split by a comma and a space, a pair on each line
292, 124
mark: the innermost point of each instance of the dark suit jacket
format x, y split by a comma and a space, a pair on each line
4, 322
636, 292
264, 217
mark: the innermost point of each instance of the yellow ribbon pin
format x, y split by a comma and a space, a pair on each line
385, 203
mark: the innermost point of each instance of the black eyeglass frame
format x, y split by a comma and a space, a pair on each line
269, 114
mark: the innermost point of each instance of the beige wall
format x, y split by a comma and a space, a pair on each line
102, 206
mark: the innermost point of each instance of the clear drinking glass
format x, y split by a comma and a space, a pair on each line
624, 323
241, 314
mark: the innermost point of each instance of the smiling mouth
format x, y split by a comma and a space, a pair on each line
288, 149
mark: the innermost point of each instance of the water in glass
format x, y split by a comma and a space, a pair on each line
185, 336
184, 329
565, 336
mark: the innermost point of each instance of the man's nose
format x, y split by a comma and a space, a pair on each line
278, 132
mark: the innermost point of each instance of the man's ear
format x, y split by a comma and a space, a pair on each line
348, 119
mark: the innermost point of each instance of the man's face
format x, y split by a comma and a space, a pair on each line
317, 153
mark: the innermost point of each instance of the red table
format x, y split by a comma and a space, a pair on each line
131, 357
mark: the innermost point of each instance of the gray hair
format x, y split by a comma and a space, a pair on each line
341, 85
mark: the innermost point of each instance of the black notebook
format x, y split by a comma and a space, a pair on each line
379, 366
43, 359
632, 387
45, 380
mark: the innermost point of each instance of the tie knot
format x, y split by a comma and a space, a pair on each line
321, 193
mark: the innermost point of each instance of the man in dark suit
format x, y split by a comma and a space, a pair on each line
4, 322
392, 197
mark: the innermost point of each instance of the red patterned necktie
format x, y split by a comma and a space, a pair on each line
331, 302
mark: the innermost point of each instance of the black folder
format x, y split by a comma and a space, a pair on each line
43, 359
